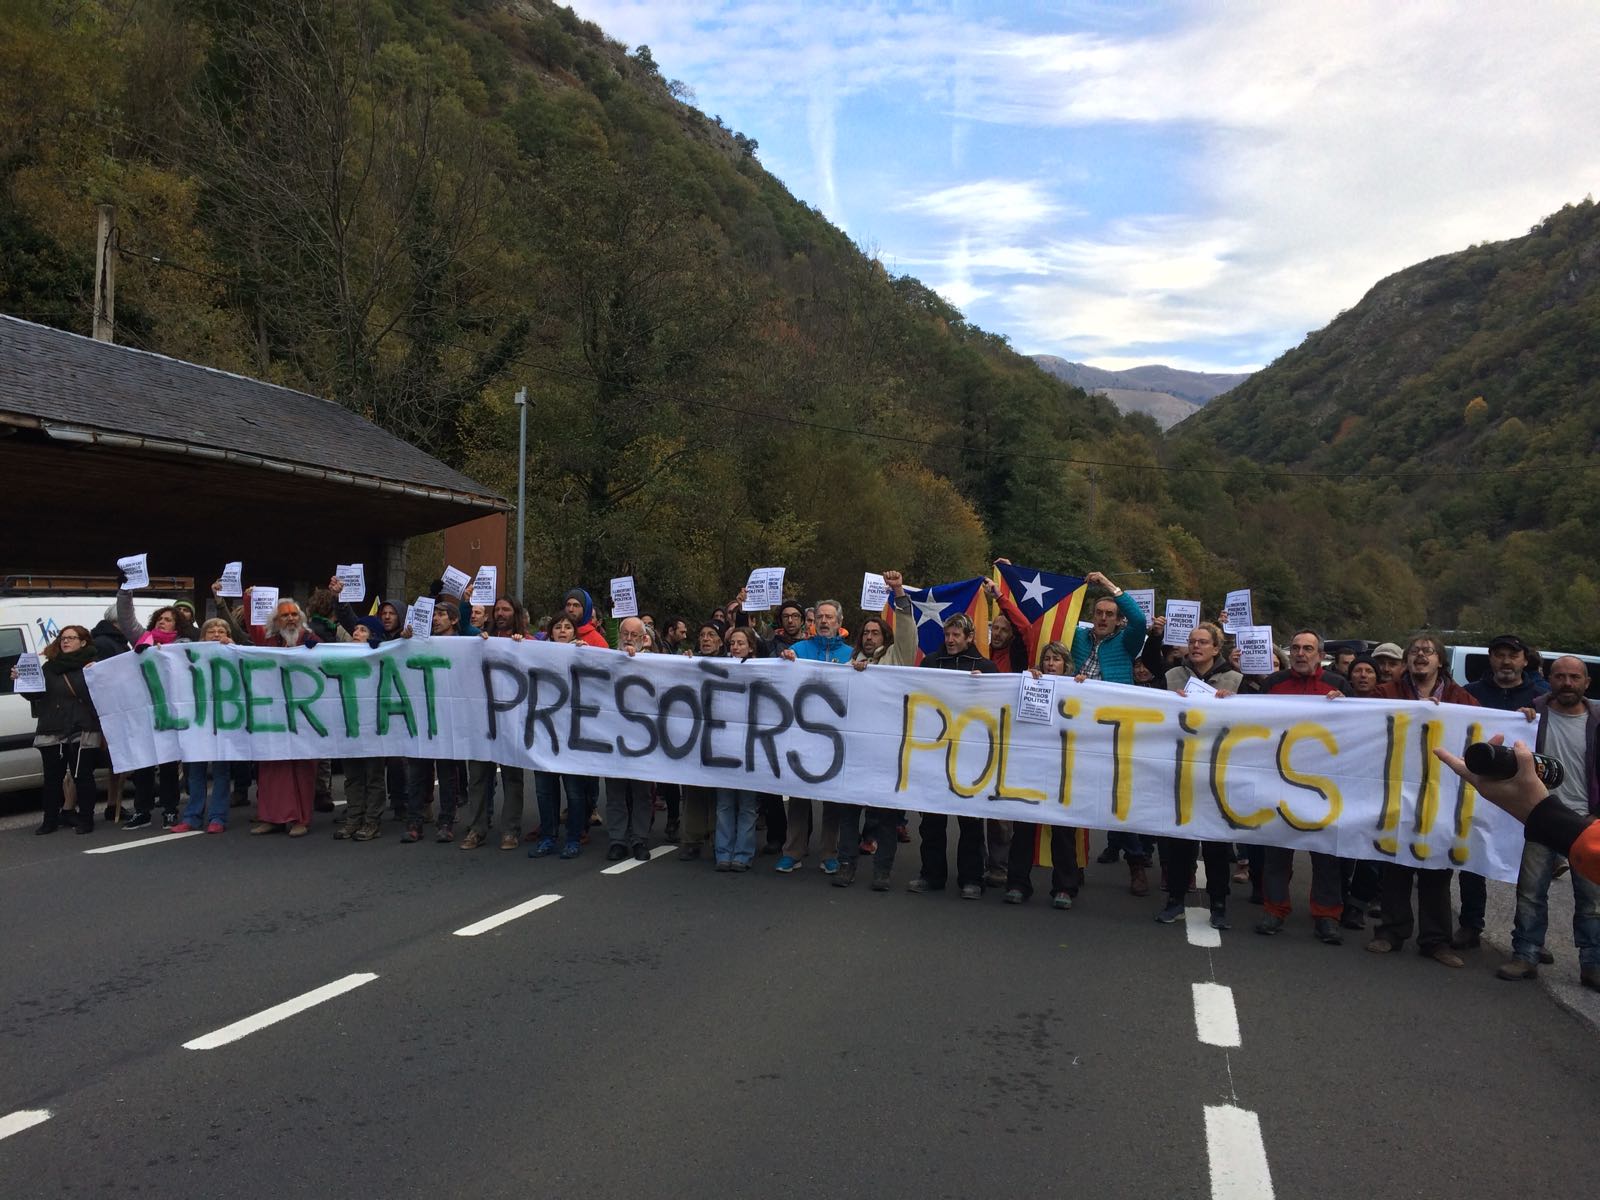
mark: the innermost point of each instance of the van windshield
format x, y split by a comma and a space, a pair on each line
11, 648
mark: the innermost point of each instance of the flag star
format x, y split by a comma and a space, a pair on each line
929, 610
1035, 590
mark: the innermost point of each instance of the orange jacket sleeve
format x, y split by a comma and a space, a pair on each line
1585, 853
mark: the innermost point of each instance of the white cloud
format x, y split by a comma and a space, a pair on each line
1325, 146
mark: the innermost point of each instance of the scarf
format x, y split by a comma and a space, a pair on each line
70, 660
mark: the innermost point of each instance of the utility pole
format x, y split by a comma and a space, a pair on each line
105, 276
522, 478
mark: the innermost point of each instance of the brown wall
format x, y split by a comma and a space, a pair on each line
479, 543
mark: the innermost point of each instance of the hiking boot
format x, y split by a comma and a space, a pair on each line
1444, 956
368, 831
994, 878
880, 879
344, 832
1172, 913
509, 841
1466, 939
1138, 880
1109, 855
616, 852
919, 885
1326, 931
641, 853
1381, 945
1517, 969
845, 875
972, 891
473, 840
1269, 925
1353, 917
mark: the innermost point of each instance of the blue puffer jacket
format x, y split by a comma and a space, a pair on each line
1117, 652
816, 648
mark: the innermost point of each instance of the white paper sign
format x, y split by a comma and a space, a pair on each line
1182, 617
1198, 687
455, 582
1145, 598
764, 588
420, 617
232, 580
263, 605
354, 578
874, 592
1255, 650
1237, 614
486, 586
1036, 701
30, 675
624, 597
137, 568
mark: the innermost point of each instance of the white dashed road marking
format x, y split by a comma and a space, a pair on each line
1197, 924
1237, 1157
154, 839
24, 1118
1216, 1021
510, 914
279, 1012
630, 863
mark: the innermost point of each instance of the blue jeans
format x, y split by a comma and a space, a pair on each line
1533, 909
737, 810
581, 793
210, 789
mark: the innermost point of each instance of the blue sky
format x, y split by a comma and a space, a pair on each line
1194, 184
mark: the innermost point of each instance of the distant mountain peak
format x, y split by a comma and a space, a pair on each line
1165, 393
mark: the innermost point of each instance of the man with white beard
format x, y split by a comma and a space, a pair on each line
285, 791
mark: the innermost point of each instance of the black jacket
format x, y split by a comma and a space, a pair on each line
64, 708
969, 660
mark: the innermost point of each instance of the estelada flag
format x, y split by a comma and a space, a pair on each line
932, 607
1049, 603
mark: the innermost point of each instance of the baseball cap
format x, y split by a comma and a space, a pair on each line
1511, 640
1387, 650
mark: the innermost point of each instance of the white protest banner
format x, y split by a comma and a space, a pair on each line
486, 586
1348, 778
764, 588
1255, 650
1195, 686
30, 675
263, 605
624, 597
874, 592
1182, 617
455, 582
136, 571
1145, 598
420, 617
1236, 614
354, 578
1036, 699
232, 580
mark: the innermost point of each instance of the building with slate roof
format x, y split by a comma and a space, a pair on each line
107, 451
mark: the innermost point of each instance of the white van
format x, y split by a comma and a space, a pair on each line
1470, 663
29, 621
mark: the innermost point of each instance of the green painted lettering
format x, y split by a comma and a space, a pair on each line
346, 670
227, 694
253, 721
296, 707
166, 719
428, 664
393, 700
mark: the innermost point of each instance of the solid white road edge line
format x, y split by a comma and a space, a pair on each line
23, 1118
510, 914
1197, 924
279, 1012
1237, 1157
631, 863
154, 839
1216, 1021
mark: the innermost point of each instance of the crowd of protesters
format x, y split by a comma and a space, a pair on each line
733, 828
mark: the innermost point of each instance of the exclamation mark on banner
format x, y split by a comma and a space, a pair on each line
1387, 841
1466, 799
1428, 794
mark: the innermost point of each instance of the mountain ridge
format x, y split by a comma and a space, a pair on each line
1167, 394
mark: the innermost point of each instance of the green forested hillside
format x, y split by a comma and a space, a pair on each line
414, 207
1467, 390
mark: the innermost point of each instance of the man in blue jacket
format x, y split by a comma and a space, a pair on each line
823, 646
1108, 651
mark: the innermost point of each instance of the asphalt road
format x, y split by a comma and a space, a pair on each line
669, 1031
